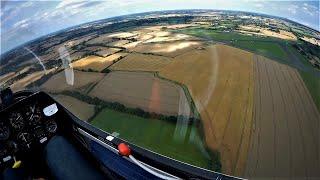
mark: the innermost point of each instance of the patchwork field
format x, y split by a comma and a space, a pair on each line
220, 81
171, 49
22, 83
104, 38
107, 51
57, 83
266, 46
141, 90
79, 108
96, 63
118, 43
141, 62
285, 138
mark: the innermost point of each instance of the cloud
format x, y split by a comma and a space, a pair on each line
22, 24
293, 9
71, 4
259, 5
43, 17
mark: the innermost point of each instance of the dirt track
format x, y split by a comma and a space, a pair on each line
285, 138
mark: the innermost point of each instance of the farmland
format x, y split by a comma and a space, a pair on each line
141, 90
82, 110
220, 82
262, 45
57, 83
170, 49
141, 62
96, 63
313, 84
286, 119
189, 149
236, 95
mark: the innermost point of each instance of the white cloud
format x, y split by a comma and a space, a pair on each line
27, 4
66, 3
259, 5
293, 9
22, 24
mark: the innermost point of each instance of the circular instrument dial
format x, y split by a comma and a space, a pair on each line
16, 120
4, 132
51, 126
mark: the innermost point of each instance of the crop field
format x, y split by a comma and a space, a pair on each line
122, 35
77, 55
141, 62
265, 46
270, 49
22, 83
313, 84
107, 51
81, 109
101, 39
220, 80
285, 136
169, 49
118, 43
6, 77
57, 83
141, 90
143, 132
95, 63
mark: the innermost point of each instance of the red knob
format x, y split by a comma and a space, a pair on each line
124, 149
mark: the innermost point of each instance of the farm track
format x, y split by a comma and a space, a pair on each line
284, 142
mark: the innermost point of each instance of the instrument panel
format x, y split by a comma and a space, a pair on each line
26, 125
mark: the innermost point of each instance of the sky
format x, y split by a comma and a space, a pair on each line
22, 21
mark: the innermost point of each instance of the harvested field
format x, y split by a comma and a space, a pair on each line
102, 39
170, 49
22, 83
81, 109
141, 62
141, 90
78, 41
6, 77
107, 51
131, 45
220, 81
95, 63
164, 36
251, 29
118, 43
77, 55
122, 35
285, 136
57, 83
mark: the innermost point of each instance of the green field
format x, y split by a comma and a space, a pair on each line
268, 49
266, 46
313, 84
157, 135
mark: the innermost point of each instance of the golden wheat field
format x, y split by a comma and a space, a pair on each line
220, 82
141, 62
